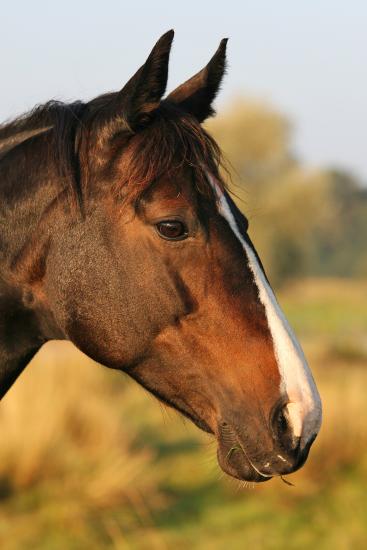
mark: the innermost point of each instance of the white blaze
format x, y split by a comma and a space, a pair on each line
304, 408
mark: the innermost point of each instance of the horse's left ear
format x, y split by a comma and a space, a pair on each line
197, 94
132, 106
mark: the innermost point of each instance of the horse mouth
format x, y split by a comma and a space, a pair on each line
233, 459
231, 455
235, 463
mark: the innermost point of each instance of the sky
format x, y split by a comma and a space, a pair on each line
305, 58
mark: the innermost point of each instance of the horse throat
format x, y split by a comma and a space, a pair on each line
20, 336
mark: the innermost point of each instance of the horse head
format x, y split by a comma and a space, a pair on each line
153, 272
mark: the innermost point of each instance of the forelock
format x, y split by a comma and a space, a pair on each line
172, 142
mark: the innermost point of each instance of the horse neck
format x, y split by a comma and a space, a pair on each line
28, 185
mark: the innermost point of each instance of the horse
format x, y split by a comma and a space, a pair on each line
119, 233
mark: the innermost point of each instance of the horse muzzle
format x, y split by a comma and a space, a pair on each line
259, 457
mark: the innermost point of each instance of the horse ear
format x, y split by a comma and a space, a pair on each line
196, 95
143, 92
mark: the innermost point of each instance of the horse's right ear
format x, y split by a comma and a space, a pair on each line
142, 94
196, 95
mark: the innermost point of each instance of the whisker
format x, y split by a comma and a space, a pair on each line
286, 481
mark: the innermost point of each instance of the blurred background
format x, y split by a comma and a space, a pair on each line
88, 459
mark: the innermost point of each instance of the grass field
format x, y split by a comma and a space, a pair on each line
89, 460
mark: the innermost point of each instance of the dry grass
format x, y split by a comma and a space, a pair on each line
60, 423
64, 422
342, 442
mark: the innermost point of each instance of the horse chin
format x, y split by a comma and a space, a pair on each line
230, 455
233, 462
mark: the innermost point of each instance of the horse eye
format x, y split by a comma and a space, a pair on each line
172, 230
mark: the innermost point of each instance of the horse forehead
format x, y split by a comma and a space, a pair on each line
175, 189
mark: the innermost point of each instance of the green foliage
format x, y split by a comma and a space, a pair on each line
304, 223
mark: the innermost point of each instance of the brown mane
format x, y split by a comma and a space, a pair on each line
172, 142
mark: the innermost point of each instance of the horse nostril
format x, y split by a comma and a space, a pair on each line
283, 430
282, 423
